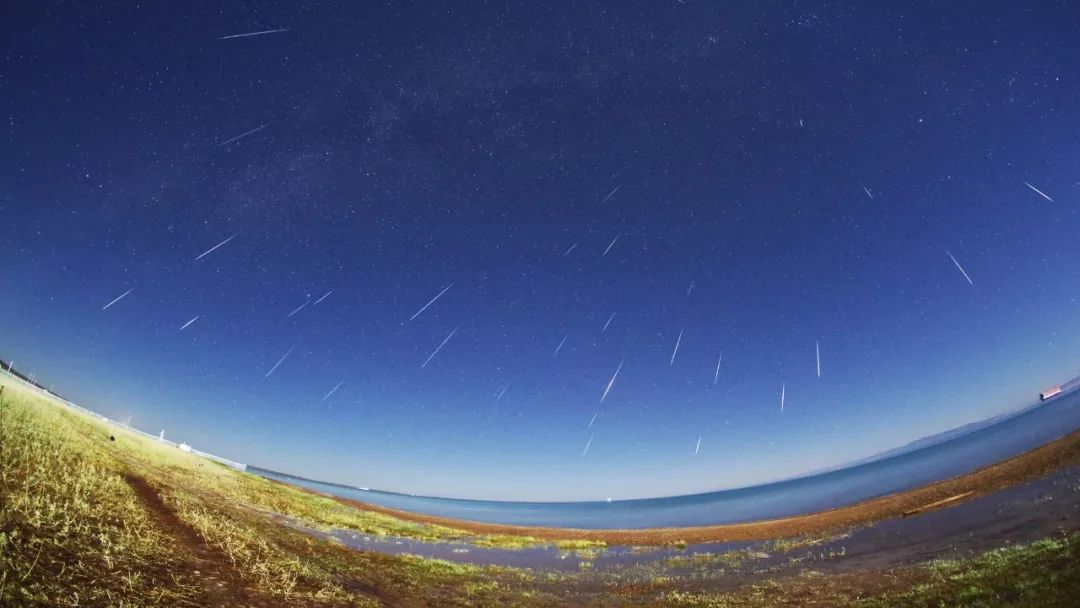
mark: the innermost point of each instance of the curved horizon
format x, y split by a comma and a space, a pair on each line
956, 456
1066, 390
1068, 386
654, 303
545, 255
866, 461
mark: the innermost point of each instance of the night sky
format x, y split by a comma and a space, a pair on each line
774, 176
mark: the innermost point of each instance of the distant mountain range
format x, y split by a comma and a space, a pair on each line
971, 427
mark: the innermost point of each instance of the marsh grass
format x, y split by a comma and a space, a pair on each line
74, 532
273, 571
1042, 573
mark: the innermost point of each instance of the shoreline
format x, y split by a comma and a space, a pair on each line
1029, 466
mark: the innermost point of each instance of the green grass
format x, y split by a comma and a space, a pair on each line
1042, 573
73, 532
175, 468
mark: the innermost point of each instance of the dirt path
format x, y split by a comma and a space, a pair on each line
223, 587
222, 584
386, 599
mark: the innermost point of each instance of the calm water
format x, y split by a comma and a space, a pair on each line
958, 455
1018, 514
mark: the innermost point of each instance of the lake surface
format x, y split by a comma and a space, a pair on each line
1019, 514
1003, 439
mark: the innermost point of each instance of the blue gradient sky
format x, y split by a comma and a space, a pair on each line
408, 148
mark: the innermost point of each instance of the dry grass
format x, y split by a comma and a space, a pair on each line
72, 532
67, 510
75, 532
272, 569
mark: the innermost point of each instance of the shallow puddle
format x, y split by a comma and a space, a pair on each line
1019, 514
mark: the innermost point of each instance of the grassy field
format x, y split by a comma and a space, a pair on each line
92, 515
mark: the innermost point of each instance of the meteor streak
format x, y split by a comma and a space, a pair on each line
559, 347
297, 309
1040, 192
120, 297
430, 302
242, 135
280, 361
610, 245
610, 319
502, 392
249, 34
437, 349
332, 391
676, 351
203, 254
960, 268
611, 382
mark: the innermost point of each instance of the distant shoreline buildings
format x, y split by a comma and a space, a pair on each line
1053, 391
29, 382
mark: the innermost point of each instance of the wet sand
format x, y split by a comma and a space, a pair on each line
1032, 465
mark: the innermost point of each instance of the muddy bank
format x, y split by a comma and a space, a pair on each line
1064, 452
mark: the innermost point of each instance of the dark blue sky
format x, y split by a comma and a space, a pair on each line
408, 147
